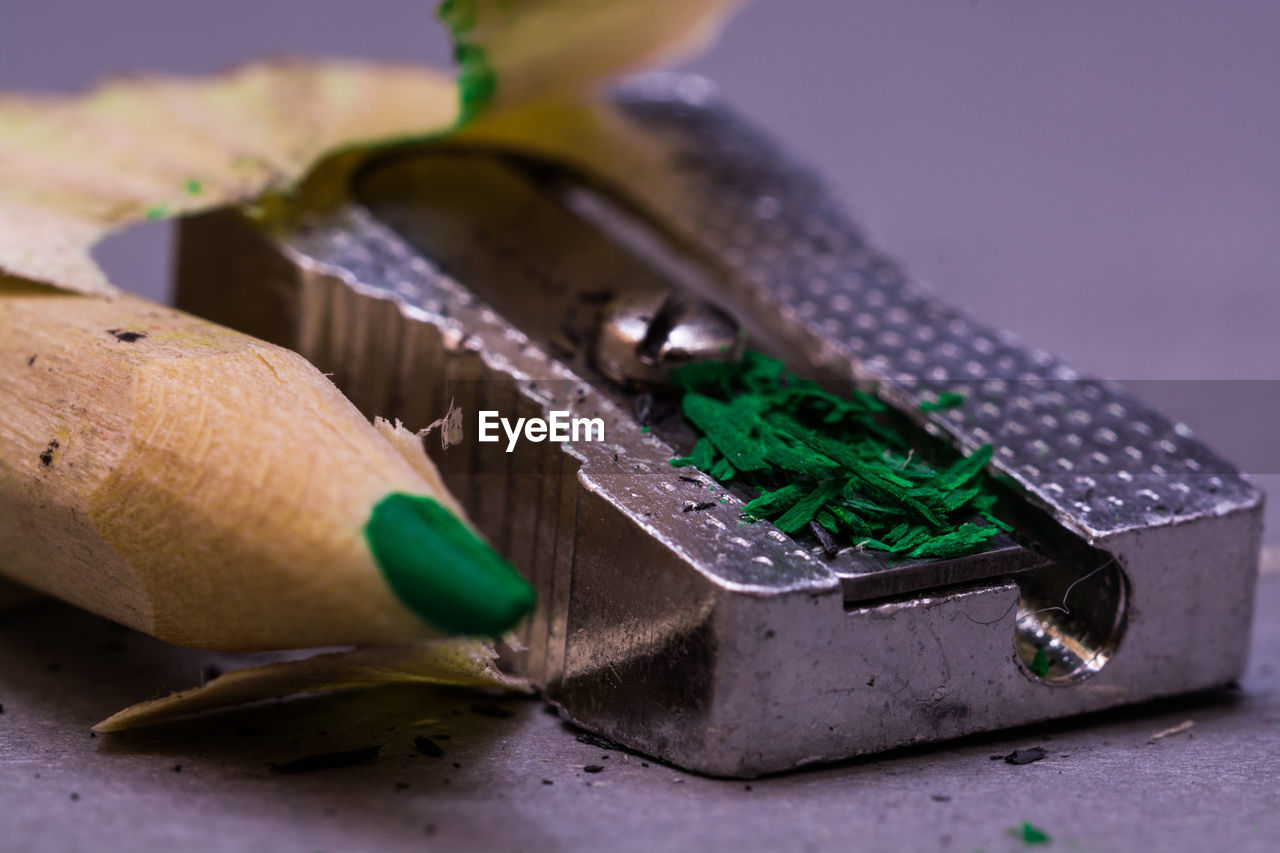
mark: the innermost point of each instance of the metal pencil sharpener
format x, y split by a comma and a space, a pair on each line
503, 281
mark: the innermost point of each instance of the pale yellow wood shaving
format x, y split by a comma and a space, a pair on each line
461, 663
73, 169
539, 48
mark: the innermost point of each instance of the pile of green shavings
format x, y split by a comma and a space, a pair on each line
818, 458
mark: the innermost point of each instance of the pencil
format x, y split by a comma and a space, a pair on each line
217, 491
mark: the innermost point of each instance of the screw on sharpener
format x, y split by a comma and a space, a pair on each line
725, 647
644, 336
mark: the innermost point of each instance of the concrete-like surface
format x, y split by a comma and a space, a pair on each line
1104, 785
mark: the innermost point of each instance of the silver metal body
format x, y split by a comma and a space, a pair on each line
731, 648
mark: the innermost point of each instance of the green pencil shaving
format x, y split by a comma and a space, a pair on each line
812, 456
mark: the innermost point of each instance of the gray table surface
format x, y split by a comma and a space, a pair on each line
518, 783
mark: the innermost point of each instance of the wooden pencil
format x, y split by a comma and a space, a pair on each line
217, 491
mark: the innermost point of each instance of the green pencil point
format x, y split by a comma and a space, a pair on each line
442, 571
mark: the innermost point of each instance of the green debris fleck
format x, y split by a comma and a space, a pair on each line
477, 81
967, 468
646, 429
1040, 663
1029, 834
723, 471
160, 211
772, 503
809, 455
194, 186
458, 15
723, 424
803, 510
702, 457
946, 400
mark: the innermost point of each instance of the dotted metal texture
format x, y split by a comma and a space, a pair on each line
1097, 458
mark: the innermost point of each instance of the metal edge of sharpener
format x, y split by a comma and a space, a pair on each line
724, 647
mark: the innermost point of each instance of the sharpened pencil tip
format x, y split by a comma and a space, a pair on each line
442, 571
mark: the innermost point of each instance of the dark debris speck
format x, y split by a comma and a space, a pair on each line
828, 542
125, 336
497, 712
1025, 756
593, 739
327, 760
593, 768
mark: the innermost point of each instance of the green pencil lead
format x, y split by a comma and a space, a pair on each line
442, 570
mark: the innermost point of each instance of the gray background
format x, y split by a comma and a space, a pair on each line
1101, 177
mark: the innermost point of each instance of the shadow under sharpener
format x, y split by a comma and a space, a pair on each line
722, 647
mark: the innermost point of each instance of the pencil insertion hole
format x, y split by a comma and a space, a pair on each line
1070, 619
